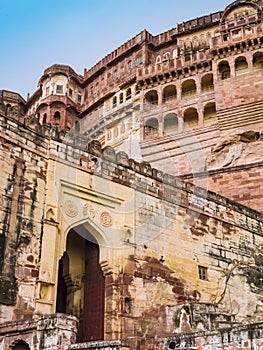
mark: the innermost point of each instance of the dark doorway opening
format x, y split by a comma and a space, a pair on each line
21, 345
81, 284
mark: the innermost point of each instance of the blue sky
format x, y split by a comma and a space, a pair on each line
35, 34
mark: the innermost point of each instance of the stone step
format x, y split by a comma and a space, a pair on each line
240, 116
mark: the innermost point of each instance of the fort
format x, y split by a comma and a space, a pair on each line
132, 195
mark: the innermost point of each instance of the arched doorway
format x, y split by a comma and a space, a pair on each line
81, 284
21, 345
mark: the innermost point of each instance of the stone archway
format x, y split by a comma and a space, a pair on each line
21, 345
81, 284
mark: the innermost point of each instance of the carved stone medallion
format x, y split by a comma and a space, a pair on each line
71, 209
106, 219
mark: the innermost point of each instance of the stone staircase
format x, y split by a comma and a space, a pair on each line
241, 116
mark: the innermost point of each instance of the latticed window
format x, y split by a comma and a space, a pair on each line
202, 273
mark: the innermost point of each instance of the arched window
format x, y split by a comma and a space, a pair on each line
158, 59
44, 121
151, 97
128, 94
224, 70
190, 119
169, 93
166, 56
114, 101
56, 117
241, 65
258, 61
175, 53
151, 128
122, 128
207, 83
7, 108
109, 134
170, 125
115, 132
121, 97
188, 88
210, 114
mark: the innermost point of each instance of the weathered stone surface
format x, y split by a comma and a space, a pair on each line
96, 220
236, 149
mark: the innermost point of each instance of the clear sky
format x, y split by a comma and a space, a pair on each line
34, 34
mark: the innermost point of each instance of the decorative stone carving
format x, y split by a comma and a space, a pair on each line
122, 158
94, 147
88, 210
145, 168
106, 219
71, 209
109, 154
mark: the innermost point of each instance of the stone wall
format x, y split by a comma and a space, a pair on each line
242, 184
54, 332
22, 190
173, 255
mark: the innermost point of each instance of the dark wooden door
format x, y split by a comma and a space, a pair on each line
94, 296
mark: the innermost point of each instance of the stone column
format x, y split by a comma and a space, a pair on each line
46, 293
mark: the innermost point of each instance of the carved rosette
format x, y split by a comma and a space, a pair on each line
70, 209
106, 219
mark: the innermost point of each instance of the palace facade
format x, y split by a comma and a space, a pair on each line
132, 195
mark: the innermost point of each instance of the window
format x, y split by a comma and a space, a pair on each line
202, 271
115, 74
79, 98
47, 91
128, 94
138, 60
130, 65
224, 70
91, 91
59, 89
44, 119
70, 92
158, 59
122, 70
114, 102
56, 117
121, 97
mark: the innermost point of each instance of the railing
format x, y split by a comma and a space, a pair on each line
239, 22
188, 93
150, 105
169, 99
208, 88
101, 345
